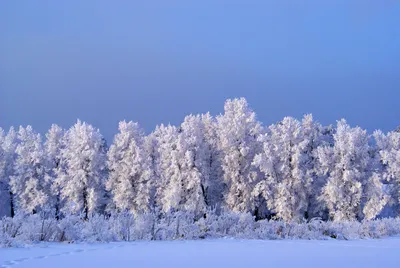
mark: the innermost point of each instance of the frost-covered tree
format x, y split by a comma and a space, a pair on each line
238, 130
181, 158
4, 192
7, 159
375, 198
286, 162
347, 167
82, 181
388, 147
168, 169
194, 159
214, 185
151, 149
53, 147
130, 176
27, 183
314, 136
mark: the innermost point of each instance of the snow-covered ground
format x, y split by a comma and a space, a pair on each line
208, 253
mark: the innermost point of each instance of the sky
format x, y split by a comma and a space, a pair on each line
156, 61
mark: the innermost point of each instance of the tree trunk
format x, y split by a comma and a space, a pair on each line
85, 204
12, 205
58, 207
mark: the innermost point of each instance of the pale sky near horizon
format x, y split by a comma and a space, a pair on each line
157, 61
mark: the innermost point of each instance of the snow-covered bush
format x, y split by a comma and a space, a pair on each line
37, 227
126, 226
28, 228
268, 229
10, 229
24, 229
97, 229
121, 225
220, 225
171, 226
244, 227
229, 224
70, 228
143, 226
383, 227
187, 227
12, 226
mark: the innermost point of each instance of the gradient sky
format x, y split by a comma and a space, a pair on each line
157, 61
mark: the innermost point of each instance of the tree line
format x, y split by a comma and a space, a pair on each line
293, 170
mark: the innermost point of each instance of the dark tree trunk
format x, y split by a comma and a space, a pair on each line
203, 190
12, 205
85, 204
58, 207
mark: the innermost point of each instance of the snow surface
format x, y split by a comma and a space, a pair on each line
208, 253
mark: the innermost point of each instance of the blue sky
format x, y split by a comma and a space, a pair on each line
157, 61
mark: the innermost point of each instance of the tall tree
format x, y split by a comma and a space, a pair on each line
4, 193
53, 147
286, 162
8, 147
82, 181
346, 165
194, 162
315, 136
130, 179
238, 130
388, 147
168, 169
214, 185
27, 183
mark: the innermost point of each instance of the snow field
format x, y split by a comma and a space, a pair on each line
208, 253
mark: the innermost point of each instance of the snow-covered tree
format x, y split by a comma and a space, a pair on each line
169, 183
238, 130
4, 192
214, 185
53, 147
130, 177
287, 164
27, 183
314, 136
375, 198
151, 149
346, 165
82, 181
7, 160
388, 147
194, 159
